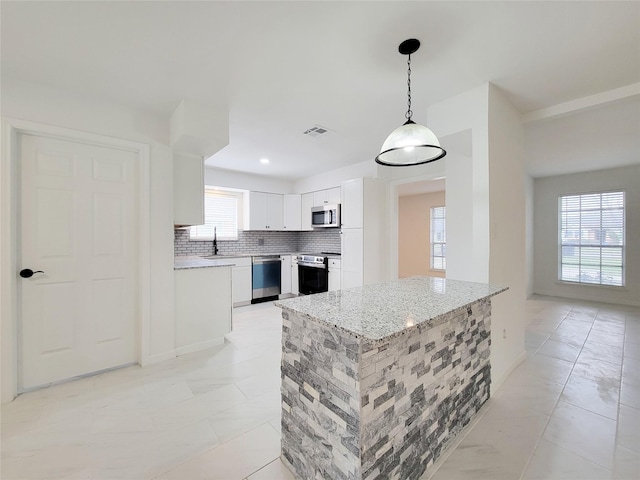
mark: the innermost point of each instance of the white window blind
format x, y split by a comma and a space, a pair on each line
592, 238
438, 238
221, 212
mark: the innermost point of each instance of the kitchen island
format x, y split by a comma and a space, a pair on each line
377, 380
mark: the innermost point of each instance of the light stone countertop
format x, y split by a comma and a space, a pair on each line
378, 312
181, 263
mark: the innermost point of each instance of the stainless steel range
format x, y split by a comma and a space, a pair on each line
313, 273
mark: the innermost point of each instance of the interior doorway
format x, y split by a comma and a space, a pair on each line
421, 228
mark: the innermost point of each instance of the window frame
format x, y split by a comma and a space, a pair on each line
622, 246
433, 243
221, 192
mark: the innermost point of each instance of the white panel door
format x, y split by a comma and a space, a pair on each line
77, 225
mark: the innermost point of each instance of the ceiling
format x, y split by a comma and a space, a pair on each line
280, 68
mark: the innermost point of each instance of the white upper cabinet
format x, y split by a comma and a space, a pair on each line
188, 190
263, 211
328, 196
320, 198
307, 204
275, 217
334, 195
292, 212
352, 203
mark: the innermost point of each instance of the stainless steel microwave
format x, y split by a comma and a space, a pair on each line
325, 216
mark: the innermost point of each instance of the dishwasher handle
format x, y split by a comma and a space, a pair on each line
262, 260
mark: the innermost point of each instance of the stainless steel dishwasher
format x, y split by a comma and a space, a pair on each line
265, 278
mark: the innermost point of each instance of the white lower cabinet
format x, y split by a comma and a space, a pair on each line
202, 307
241, 280
285, 274
335, 277
294, 275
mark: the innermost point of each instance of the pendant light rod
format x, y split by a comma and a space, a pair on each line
407, 48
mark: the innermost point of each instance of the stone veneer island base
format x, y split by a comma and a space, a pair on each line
377, 380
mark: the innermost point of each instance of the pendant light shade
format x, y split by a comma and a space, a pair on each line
411, 143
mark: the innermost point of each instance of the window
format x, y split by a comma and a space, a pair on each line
592, 238
220, 211
438, 239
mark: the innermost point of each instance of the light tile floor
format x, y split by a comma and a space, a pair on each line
570, 411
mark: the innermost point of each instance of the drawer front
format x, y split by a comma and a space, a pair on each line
240, 261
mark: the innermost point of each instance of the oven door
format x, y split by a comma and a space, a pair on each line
312, 279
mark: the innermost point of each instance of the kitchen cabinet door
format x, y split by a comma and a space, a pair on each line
256, 211
274, 212
188, 190
241, 284
335, 275
319, 198
352, 204
334, 195
202, 307
326, 196
292, 212
307, 205
285, 274
294, 275
352, 257
263, 211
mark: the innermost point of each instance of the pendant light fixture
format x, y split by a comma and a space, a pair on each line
412, 143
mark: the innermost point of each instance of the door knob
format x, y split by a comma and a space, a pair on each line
28, 273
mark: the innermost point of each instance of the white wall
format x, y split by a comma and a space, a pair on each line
546, 191
467, 111
245, 181
507, 206
529, 233
459, 216
87, 114
334, 178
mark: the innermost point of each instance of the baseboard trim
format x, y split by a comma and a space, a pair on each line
160, 357
586, 298
196, 347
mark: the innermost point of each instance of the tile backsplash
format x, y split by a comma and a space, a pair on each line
327, 240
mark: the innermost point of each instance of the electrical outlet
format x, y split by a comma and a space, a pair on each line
261, 242
504, 333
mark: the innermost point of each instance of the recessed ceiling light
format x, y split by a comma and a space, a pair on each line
264, 160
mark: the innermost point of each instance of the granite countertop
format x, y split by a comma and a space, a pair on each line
384, 310
181, 263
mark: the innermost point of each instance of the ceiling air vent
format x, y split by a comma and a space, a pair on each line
317, 131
